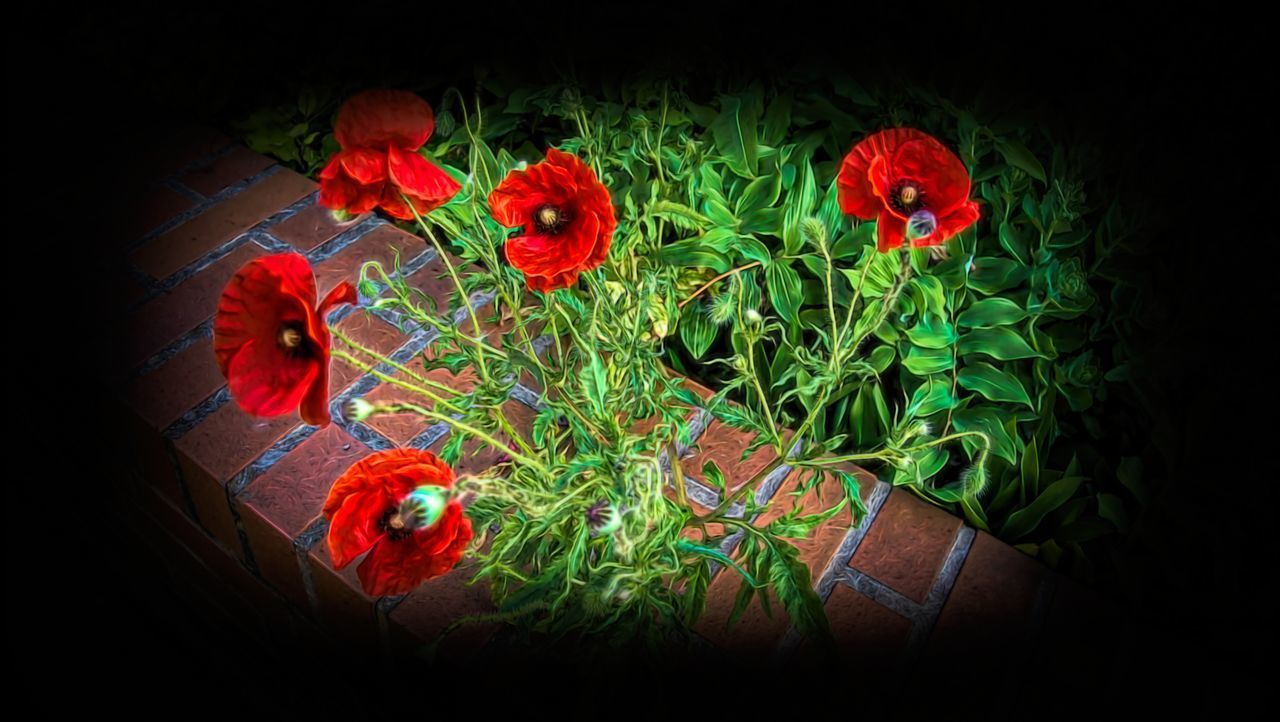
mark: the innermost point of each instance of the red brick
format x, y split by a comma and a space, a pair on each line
428, 610
370, 332
150, 453
196, 559
906, 546
176, 248
277, 506
162, 396
725, 444
145, 210
165, 318
217, 449
989, 609
868, 635
380, 245
402, 428
345, 609
310, 227
225, 170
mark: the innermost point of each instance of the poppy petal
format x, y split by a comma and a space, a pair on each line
426, 184
890, 231
548, 255
959, 219
856, 194
264, 381
399, 566
356, 526
265, 293
940, 173
381, 118
363, 165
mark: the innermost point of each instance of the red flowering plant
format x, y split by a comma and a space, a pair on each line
380, 132
398, 506
270, 337
573, 267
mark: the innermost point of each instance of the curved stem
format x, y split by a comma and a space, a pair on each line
713, 281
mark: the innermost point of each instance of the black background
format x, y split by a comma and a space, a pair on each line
1176, 98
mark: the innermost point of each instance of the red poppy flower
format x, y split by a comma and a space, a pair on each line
380, 132
567, 217
394, 505
911, 184
271, 340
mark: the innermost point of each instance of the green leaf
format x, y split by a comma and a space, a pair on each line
932, 396
932, 332
697, 332
1014, 243
777, 121
794, 587
693, 253
763, 192
714, 477
993, 383
734, 131
784, 290
925, 361
1025, 520
999, 343
993, 275
1111, 508
990, 312
595, 383
1017, 155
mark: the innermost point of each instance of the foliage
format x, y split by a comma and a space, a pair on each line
990, 379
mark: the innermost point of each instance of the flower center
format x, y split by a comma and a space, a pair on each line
550, 219
907, 197
291, 339
421, 509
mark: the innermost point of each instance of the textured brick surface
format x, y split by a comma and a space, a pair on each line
867, 634
402, 427
165, 318
428, 610
380, 244
174, 249
166, 393
907, 545
370, 332
989, 609
310, 227
755, 633
214, 451
344, 609
225, 170
281, 503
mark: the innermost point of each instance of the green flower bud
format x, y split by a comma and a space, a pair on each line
358, 409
